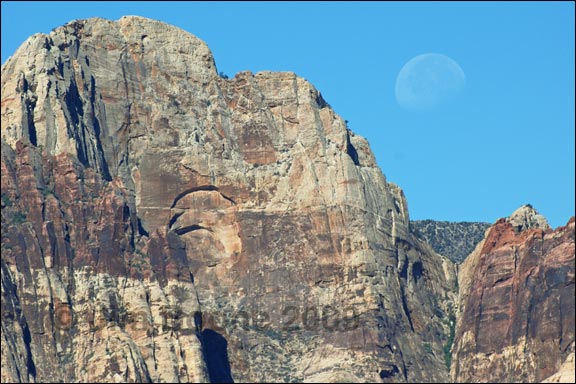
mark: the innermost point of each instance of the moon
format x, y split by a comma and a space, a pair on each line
429, 81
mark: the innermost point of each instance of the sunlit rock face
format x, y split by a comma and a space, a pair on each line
516, 319
163, 224
160, 223
566, 373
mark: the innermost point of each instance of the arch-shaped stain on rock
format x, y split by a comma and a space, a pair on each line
190, 228
200, 188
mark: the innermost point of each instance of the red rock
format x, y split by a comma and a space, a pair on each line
517, 316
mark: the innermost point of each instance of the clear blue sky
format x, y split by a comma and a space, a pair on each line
507, 141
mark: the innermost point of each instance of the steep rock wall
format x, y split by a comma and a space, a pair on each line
516, 317
161, 223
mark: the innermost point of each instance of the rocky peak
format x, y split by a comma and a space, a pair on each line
527, 217
160, 223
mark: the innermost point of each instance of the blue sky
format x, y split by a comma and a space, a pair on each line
507, 140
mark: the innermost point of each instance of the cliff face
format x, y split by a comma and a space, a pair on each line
566, 374
516, 319
160, 223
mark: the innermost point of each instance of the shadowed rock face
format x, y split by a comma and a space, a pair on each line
160, 223
517, 302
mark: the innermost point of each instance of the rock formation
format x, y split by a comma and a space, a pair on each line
566, 373
516, 309
163, 224
455, 240
160, 223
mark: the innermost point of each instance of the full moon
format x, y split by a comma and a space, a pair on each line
428, 81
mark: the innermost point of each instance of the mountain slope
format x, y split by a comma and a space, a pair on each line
455, 240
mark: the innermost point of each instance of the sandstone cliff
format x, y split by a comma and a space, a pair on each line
516, 306
566, 374
160, 223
